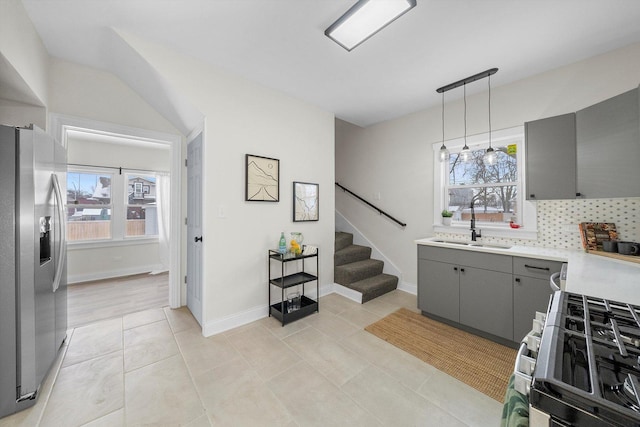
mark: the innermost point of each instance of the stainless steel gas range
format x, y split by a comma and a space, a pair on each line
586, 370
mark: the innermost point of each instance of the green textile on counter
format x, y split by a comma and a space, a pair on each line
515, 412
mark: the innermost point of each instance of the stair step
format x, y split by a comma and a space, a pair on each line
342, 240
375, 286
356, 271
351, 254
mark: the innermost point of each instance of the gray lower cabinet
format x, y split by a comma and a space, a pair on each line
531, 291
486, 301
470, 288
439, 289
492, 293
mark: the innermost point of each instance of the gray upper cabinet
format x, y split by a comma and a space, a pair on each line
551, 158
593, 153
608, 149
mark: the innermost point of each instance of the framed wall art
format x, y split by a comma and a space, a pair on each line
262, 179
305, 201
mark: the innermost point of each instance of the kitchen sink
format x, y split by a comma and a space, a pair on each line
473, 244
451, 242
483, 245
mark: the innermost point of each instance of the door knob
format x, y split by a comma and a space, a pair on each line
197, 239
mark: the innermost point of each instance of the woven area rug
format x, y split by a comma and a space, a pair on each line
478, 362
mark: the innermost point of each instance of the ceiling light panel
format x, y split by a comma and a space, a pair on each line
364, 19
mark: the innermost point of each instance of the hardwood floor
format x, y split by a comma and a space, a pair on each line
89, 302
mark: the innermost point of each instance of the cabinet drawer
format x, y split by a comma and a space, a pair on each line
537, 268
438, 254
485, 261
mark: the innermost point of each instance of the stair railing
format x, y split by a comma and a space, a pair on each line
380, 211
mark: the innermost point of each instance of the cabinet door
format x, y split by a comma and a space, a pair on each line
608, 148
529, 295
551, 158
486, 301
439, 289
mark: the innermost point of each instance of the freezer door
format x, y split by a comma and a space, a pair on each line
36, 299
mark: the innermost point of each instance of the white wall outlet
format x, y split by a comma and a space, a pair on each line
222, 212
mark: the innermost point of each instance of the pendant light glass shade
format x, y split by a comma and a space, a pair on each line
465, 153
444, 153
490, 156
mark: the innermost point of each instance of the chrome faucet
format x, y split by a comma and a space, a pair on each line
474, 234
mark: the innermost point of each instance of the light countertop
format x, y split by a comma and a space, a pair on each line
587, 274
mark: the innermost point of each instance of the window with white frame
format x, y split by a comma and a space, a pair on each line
495, 190
89, 205
141, 206
105, 206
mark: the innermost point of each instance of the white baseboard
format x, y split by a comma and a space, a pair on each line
251, 315
408, 287
101, 275
233, 321
347, 293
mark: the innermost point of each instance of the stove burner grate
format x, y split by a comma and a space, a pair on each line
627, 394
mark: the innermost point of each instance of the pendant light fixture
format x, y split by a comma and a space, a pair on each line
444, 153
465, 154
490, 156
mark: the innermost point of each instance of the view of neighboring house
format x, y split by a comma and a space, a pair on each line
141, 191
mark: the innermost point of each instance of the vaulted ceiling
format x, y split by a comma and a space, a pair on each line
281, 43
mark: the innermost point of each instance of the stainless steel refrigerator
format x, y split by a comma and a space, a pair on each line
33, 273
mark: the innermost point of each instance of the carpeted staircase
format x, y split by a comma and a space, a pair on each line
354, 269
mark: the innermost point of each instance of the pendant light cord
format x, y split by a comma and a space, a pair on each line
464, 88
489, 110
443, 119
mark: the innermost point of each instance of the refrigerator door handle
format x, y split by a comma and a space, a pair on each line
63, 231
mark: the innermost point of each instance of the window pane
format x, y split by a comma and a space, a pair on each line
88, 223
142, 218
491, 204
88, 206
88, 188
141, 189
476, 172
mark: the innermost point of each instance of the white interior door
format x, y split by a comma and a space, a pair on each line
194, 227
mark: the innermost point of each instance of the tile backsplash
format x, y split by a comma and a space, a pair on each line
558, 221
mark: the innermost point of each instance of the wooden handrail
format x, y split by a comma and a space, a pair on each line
380, 211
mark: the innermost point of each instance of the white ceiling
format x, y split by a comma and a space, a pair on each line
281, 43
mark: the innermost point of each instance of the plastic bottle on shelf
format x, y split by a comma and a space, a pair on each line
282, 246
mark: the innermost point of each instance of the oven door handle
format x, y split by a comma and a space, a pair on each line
524, 364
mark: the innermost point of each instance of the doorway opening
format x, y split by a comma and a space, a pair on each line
123, 204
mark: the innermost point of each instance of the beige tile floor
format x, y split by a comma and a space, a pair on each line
155, 368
